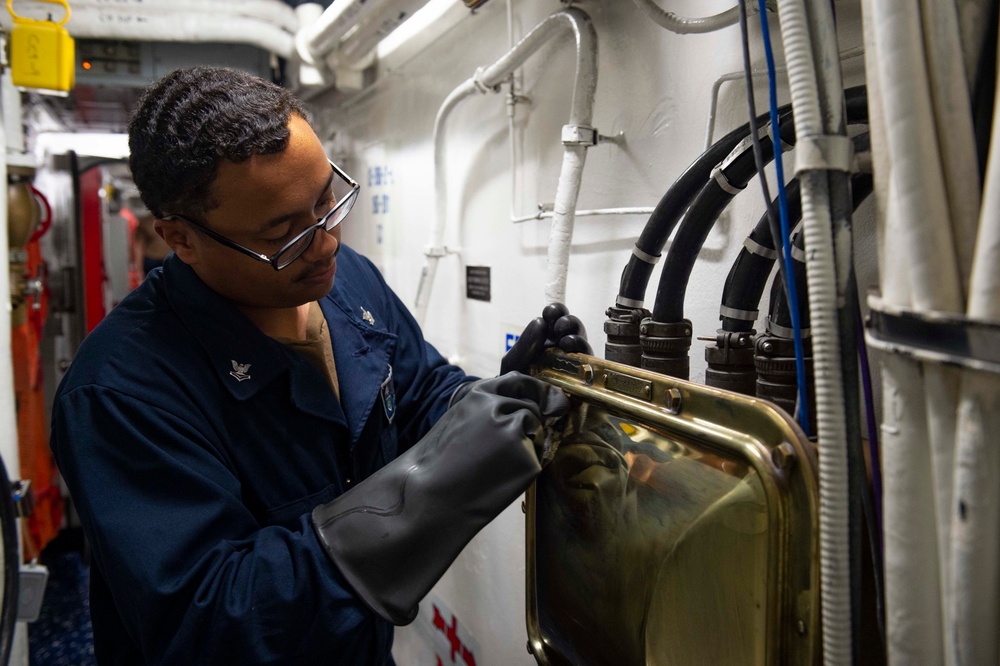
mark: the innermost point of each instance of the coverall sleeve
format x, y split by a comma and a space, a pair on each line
195, 578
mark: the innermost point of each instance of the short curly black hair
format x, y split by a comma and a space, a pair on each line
192, 118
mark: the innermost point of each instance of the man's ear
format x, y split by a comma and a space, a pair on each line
180, 236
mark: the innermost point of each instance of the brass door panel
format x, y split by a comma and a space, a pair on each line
676, 524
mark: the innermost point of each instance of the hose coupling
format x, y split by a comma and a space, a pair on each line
665, 347
622, 330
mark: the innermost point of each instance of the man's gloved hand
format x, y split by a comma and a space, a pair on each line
555, 328
394, 534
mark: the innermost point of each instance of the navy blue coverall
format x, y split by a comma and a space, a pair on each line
195, 448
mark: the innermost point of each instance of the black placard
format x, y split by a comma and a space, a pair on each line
477, 283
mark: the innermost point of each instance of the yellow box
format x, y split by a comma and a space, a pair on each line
42, 55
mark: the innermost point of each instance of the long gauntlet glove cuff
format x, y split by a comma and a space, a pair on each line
395, 534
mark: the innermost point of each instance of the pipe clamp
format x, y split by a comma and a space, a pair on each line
935, 337
753, 247
742, 315
720, 177
832, 152
645, 257
579, 135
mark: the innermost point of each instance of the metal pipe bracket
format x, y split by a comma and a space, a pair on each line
934, 337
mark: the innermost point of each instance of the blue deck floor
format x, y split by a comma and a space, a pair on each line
62, 635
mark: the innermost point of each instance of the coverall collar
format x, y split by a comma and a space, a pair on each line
245, 359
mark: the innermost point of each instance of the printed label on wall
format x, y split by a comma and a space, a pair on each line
509, 334
380, 181
477, 283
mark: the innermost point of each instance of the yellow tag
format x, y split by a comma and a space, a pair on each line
42, 53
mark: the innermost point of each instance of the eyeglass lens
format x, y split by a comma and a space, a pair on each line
299, 245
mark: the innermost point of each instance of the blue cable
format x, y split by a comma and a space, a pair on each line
786, 244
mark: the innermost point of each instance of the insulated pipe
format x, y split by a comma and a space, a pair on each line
270, 11
975, 529
815, 86
683, 26
487, 79
190, 27
317, 41
919, 621
356, 46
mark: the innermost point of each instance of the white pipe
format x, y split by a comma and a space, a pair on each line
713, 105
683, 26
485, 79
546, 211
925, 238
271, 11
362, 41
435, 249
975, 528
950, 96
810, 82
190, 27
8, 409
317, 41
561, 234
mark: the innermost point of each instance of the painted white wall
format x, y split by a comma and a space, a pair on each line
652, 85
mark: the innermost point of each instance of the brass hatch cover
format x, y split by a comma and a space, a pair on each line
676, 524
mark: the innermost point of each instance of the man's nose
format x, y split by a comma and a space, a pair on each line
324, 243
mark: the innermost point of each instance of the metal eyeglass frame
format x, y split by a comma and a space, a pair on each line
274, 260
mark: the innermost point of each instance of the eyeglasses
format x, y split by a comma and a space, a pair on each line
294, 248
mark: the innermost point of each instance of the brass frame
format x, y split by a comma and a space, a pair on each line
750, 429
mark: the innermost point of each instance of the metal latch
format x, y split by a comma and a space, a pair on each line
24, 498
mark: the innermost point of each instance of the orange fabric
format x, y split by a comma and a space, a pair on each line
33, 439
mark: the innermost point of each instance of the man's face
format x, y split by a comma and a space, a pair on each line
262, 204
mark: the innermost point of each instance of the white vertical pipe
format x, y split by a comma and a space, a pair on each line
975, 526
916, 163
581, 113
563, 218
435, 249
914, 92
814, 76
8, 408
952, 109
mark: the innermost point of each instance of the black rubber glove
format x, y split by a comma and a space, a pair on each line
396, 533
555, 328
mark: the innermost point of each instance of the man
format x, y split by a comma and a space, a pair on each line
270, 463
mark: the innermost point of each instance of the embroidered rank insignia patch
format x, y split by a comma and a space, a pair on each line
240, 371
388, 392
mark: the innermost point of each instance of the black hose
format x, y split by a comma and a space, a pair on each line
700, 217
635, 276
11, 566
748, 275
861, 187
